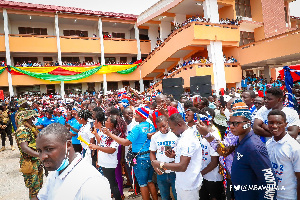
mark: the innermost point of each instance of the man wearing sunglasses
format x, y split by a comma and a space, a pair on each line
251, 167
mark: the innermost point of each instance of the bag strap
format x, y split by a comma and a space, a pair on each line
144, 142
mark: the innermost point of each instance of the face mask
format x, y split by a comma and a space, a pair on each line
65, 162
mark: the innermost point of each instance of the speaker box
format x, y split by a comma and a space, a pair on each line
173, 86
201, 85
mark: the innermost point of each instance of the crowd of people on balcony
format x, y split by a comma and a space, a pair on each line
259, 84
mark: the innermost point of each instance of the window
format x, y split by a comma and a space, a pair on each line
118, 35
243, 8
70, 59
123, 59
88, 59
75, 33
144, 37
32, 31
110, 60
47, 59
246, 37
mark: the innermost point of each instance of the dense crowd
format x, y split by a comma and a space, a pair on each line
220, 147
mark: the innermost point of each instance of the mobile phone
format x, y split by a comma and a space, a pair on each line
168, 148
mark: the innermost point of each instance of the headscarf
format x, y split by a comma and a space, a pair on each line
240, 109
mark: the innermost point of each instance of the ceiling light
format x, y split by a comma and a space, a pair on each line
30, 17
75, 20
162, 17
199, 3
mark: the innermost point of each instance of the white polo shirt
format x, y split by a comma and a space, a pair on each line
188, 145
86, 134
285, 158
158, 143
79, 181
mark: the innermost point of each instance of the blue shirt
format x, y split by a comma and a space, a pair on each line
138, 137
60, 120
74, 123
244, 83
45, 121
252, 167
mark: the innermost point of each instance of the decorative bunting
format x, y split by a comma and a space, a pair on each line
2, 69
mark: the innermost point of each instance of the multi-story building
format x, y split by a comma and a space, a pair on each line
261, 42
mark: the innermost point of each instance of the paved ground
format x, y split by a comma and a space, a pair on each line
11, 180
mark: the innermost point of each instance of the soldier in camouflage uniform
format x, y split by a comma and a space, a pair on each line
5, 126
26, 139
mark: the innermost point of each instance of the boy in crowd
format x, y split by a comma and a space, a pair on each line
188, 158
162, 141
284, 153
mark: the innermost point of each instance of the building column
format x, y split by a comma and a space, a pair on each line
84, 87
215, 53
153, 35
57, 40
62, 90
139, 55
43, 89
7, 51
179, 18
211, 11
165, 29
267, 72
120, 84
132, 84
57, 88
102, 53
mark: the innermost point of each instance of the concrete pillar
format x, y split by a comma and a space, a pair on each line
57, 88
165, 29
102, 53
120, 84
137, 37
153, 35
84, 87
57, 40
118, 59
179, 18
40, 59
7, 51
97, 86
211, 11
62, 89
15, 89
132, 84
43, 89
215, 53
267, 72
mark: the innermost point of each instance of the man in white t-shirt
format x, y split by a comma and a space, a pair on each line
274, 99
188, 156
284, 153
71, 177
162, 141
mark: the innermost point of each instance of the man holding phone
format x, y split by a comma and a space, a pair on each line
162, 143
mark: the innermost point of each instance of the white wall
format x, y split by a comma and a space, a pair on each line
14, 25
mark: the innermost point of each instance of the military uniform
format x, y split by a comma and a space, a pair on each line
5, 128
34, 179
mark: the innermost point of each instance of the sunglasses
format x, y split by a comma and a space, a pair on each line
235, 124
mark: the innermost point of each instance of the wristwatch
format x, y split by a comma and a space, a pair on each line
161, 165
207, 135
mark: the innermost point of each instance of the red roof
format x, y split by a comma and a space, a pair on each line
63, 9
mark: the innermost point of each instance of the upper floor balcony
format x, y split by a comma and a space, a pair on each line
2, 43
32, 43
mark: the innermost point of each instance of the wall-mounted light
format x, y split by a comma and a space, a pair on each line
75, 20
199, 3
30, 17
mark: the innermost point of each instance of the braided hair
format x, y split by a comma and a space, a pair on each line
85, 114
120, 128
